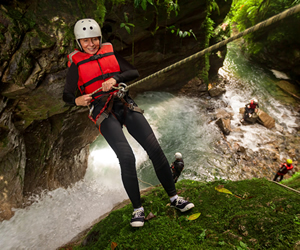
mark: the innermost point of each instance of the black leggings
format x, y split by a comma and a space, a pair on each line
140, 129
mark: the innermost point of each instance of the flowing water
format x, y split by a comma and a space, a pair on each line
180, 124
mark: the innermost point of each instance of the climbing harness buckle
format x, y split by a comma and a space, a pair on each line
122, 90
130, 106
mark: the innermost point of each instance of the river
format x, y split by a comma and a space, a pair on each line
181, 124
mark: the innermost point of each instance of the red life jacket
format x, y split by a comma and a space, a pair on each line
284, 169
93, 70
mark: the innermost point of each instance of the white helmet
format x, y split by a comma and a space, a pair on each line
87, 28
178, 155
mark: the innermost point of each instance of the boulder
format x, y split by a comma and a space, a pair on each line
224, 125
265, 119
216, 91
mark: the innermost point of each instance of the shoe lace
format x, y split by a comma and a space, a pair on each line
180, 200
137, 213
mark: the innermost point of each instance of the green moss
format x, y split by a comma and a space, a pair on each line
259, 215
293, 182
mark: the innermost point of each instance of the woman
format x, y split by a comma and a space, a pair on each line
96, 66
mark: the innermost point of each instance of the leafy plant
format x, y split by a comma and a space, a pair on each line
181, 33
242, 246
212, 5
142, 3
245, 14
127, 25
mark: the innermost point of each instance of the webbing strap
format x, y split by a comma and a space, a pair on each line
105, 113
132, 107
98, 78
95, 57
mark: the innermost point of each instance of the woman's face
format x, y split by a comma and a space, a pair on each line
90, 45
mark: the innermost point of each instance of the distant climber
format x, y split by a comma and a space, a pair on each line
250, 114
284, 168
177, 166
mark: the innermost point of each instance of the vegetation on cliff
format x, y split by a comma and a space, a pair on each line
277, 46
248, 214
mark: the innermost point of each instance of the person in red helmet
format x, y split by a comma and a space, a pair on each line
96, 70
250, 112
284, 169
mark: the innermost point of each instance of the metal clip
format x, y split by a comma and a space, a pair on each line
130, 106
122, 90
91, 108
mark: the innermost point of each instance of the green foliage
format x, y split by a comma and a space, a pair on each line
117, 2
181, 33
242, 246
208, 26
201, 237
212, 5
250, 12
170, 5
100, 11
265, 218
293, 182
142, 3
127, 25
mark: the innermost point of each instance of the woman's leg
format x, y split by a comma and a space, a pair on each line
140, 129
112, 131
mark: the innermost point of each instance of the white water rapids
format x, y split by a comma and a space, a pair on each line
181, 124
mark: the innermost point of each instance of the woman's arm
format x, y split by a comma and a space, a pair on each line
128, 72
71, 85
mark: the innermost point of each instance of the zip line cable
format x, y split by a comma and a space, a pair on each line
256, 27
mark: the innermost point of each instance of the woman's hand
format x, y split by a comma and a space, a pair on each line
107, 85
83, 100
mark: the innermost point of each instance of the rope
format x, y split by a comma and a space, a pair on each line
145, 182
119, 87
294, 190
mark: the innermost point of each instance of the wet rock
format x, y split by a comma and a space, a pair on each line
224, 125
216, 91
292, 153
279, 128
265, 119
241, 149
221, 113
12, 161
194, 87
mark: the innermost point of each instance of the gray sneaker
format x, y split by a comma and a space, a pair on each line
182, 204
138, 218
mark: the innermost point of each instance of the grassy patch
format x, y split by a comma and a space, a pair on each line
257, 215
293, 182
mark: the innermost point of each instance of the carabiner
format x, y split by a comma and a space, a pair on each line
122, 90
